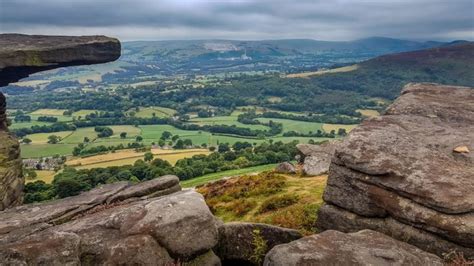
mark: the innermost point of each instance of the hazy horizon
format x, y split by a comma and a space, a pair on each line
148, 20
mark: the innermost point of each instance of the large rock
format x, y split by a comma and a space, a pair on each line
316, 158
138, 229
22, 55
362, 248
238, 241
285, 168
400, 172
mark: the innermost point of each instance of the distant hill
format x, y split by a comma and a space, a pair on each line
216, 56
266, 48
384, 76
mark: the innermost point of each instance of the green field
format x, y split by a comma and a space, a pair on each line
225, 120
293, 125
216, 176
147, 112
27, 124
44, 150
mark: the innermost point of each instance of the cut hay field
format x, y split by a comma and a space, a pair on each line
48, 112
336, 127
129, 157
42, 138
368, 112
43, 175
323, 72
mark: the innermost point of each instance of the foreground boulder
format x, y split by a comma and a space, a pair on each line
247, 243
22, 55
316, 158
400, 173
366, 247
285, 168
103, 226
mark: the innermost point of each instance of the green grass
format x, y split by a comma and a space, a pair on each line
216, 176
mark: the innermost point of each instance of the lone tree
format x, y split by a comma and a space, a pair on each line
139, 138
26, 141
123, 135
53, 139
148, 157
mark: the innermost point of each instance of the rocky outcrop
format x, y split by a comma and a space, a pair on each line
400, 173
22, 55
113, 224
240, 243
285, 168
316, 158
362, 248
11, 178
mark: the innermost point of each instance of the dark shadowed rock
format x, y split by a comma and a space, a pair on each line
285, 168
22, 55
316, 158
400, 171
237, 240
362, 248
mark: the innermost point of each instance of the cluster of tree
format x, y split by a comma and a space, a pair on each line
50, 119
56, 127
22, 118
103, 132
243, 154
82, 150
53, 139
318, 134
330, 119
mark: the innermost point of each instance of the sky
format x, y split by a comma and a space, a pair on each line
242, 19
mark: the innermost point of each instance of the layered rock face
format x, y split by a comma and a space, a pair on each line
21, 55
366, 247
409, 173
114, 224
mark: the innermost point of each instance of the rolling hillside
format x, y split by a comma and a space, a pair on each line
384, 76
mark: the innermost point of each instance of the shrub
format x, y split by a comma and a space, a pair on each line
278, 202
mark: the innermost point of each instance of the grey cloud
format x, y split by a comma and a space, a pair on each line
244, 19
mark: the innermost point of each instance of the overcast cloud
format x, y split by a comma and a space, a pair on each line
245, 19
